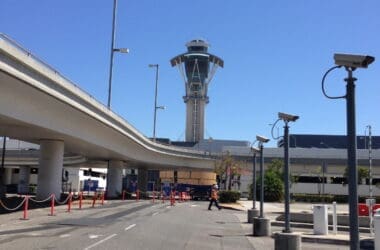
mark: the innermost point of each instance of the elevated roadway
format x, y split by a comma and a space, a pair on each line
39, 105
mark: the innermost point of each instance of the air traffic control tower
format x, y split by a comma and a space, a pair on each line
197, 68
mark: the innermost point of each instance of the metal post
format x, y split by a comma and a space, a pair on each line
370, 180
111, 54
262, 180
370, 161
2, 186
254, 181
352, 161
3, 152
323, 177
335, 223
155, 104
286, 178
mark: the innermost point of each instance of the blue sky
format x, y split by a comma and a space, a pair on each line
275, 54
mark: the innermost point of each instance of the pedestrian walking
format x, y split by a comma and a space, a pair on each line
214, 197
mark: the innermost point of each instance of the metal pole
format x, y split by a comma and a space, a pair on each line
370, 161
155, 104
323, 177
286, 178
352, 161
2, 186
254, 181
335, 223
111, 53
370, 180
3, 153
262, 180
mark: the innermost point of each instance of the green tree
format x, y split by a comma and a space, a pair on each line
363, 173
227, 168
273, 182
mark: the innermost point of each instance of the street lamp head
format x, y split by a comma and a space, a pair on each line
122, 50
287, 117
161, 107
353, 61
262, 139
153, 65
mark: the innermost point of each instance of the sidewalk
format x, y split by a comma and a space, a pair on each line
273, 210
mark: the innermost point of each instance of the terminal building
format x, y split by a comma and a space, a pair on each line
319, 170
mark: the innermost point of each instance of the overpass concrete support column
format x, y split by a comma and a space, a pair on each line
23, 180
7, 177
114, 178
142, 179
50, 168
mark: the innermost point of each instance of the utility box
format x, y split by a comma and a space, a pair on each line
377, 229
320, 217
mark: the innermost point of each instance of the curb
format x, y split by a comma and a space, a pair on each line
324, 240
310, 226
364, 243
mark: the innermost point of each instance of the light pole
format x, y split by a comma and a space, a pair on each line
209, 145
287, 118
155, 101
350, 62
369, 158
261, 225
261, 140
286, 237
370, 201
253, 212
255, 151
113, 49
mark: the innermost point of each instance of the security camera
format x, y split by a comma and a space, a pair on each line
353, 61
262, 138
255, 150
287, 117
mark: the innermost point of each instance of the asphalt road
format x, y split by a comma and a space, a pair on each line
130, 225
136, 225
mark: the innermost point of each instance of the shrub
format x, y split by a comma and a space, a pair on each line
229, 196
273, 187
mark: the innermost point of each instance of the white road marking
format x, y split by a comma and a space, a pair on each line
129, 227
94, 236
35, 234
100, 242
168, 206
194, 205
154, 213
64, 236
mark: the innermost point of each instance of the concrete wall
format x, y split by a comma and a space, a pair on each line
315, 188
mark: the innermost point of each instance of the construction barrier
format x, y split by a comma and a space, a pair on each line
52, 205
25, 202
137, 195
103, 198
363, 209
80, 199
69, 203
